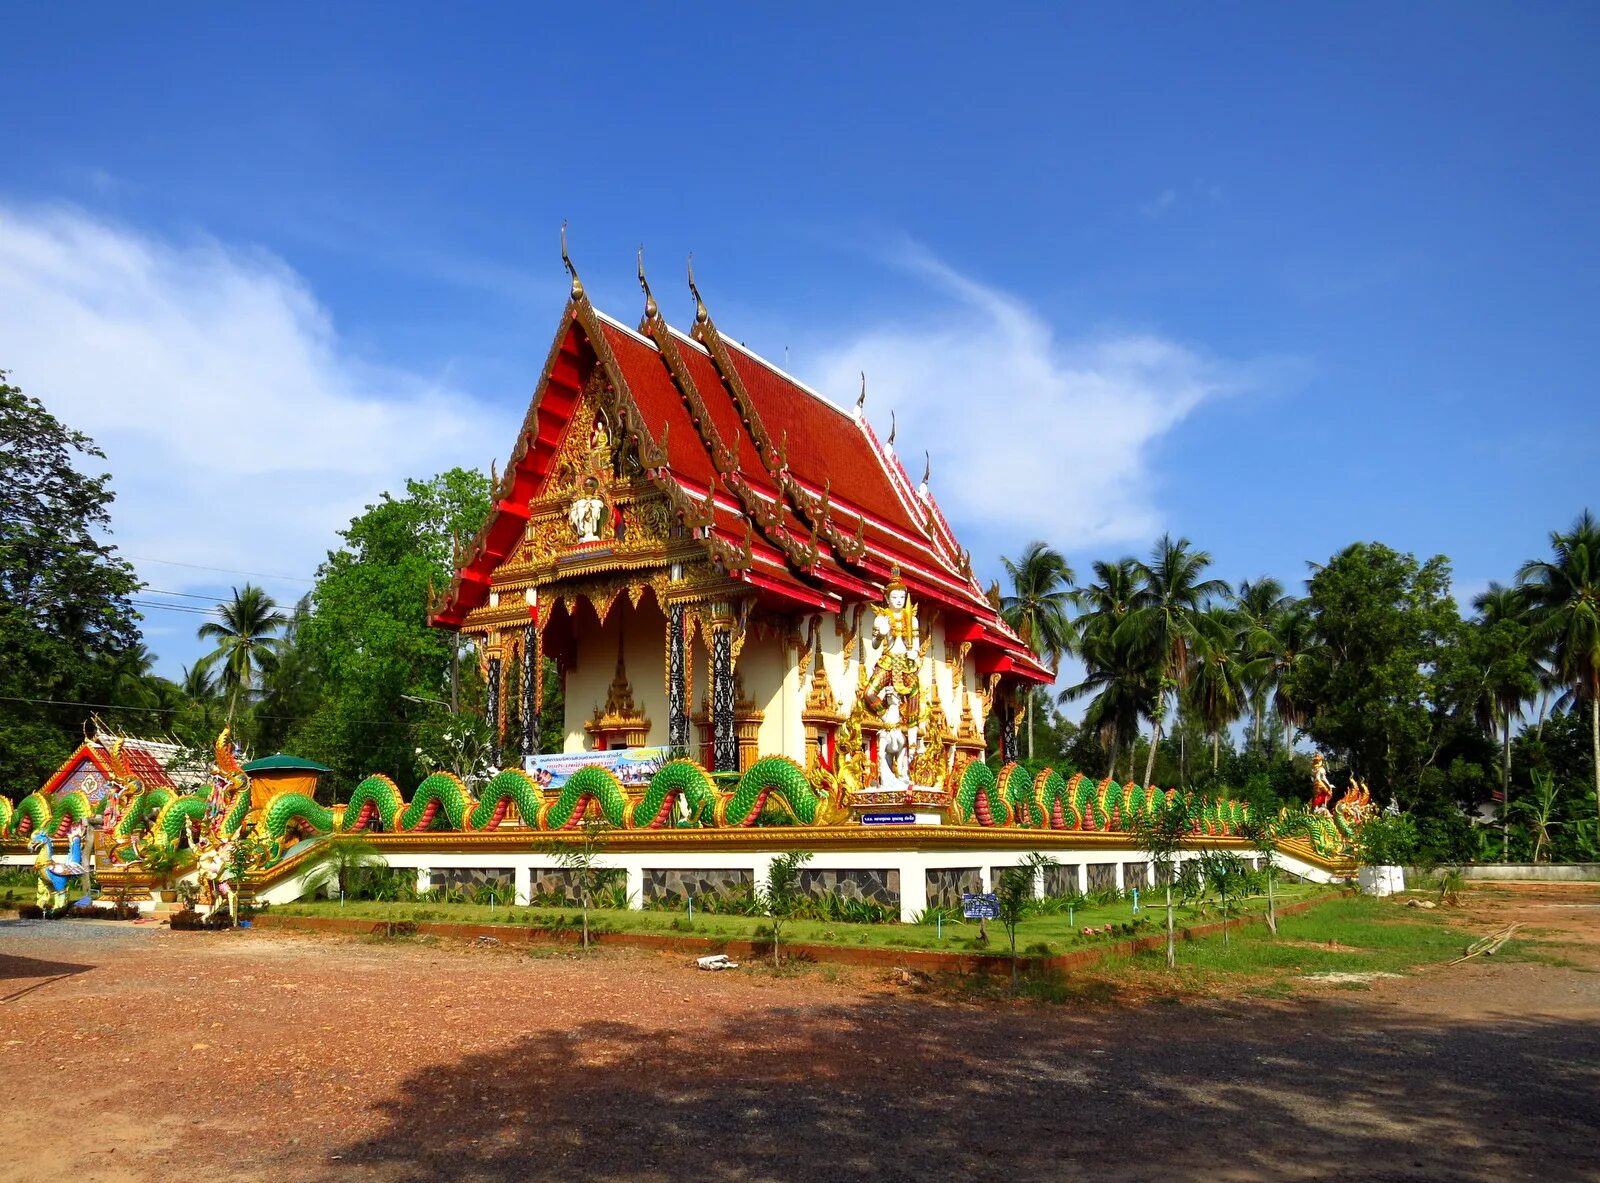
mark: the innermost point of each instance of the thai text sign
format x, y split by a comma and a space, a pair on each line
888, 819
980, 906
632, 766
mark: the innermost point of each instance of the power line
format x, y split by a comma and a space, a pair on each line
189, 608
219, 570
113, 706
156, 591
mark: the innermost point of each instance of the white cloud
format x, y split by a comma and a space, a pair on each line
1159, 204
1033, 435
239, 430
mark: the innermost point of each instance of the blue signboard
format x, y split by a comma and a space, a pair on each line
888, 819
980, 906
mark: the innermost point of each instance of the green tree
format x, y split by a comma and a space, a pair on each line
1171, 594
345, 859
1041, 583
1258, 604
1564, 596
1264, 828
582, 860
779, 895
1161, 834
247, 641
66, 622
1220, 673
1497, 674
1117, 680
1014, 891
1288, 644
1383, 621
367, 641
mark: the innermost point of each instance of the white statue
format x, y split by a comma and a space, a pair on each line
898, 745
587, 513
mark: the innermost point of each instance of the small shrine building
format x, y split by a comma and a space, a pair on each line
724, 564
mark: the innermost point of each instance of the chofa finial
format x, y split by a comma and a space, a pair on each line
566, 259
893, 427
700, 313
861, 400
650, 309
927, 469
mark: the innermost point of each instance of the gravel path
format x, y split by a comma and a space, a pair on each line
254, 1056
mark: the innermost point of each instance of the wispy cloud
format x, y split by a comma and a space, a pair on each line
1030, 434
1159, 204
240, 430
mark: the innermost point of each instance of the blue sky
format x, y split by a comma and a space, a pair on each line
1276, 278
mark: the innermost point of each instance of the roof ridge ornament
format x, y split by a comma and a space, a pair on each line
861, 400
927, 471
651, 309
701, 316
893, 428
566, 259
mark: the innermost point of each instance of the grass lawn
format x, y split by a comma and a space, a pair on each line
1037, 935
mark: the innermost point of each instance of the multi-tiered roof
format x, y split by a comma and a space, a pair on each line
790, 494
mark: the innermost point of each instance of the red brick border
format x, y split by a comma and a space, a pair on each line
931, 960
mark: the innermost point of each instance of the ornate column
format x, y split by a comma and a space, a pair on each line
1008, 733
492, 715
532, 673
677, 682
725, 741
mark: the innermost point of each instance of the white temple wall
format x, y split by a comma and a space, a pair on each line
769, 682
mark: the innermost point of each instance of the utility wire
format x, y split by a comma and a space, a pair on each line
112, 706
220, 570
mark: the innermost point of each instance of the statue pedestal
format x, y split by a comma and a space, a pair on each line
913, 806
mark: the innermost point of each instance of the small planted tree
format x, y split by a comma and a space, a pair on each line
1263, 830
1013, 892
1160, 834
780, 896
1226, 874
581, 860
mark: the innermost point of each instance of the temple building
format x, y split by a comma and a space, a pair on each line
724, 564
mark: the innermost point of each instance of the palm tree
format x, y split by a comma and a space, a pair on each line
1161, 624
1041, 583
1123, 689
1510, 677
1219, 675
1286, 646
247, 642
1258, 603
1564, 596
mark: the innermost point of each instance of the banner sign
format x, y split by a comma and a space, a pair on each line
888, 819
632, 766
980, 906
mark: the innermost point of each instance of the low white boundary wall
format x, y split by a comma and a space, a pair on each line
913, 866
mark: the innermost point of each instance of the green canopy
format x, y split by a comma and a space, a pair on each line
278, 762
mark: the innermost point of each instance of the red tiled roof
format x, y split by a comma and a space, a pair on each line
824, 447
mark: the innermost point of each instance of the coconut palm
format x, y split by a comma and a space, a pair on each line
1564, 596
1220, 673
1509, 677
1041, 590
1287, 645
1123, 690
1258, 603
1172, 592
247, 641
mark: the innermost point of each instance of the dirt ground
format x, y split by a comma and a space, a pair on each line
134, 1053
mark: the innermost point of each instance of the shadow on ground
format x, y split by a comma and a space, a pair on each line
908, 1090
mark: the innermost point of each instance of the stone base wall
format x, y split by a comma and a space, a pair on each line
677, 886
1102, 875
548, 882
946, 885
1059, 881
1135, 875
472, 877
882, 887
